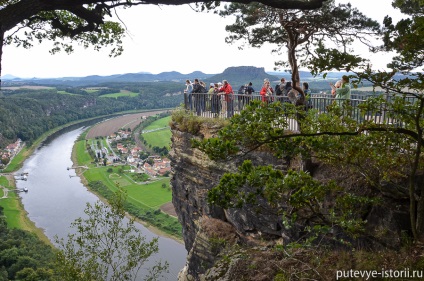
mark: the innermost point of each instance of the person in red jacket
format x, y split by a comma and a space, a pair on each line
267, 92
227, 90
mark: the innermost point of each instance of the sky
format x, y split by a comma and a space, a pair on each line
161, 39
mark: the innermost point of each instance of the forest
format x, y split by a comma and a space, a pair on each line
23, 256
27, 113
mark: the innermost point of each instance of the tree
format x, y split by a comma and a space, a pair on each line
84, 21
386, 153
105, 247
302, 32
404, 86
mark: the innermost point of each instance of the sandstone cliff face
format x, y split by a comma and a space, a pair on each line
208, 229
194, 174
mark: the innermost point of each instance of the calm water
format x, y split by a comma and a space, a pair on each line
56, 197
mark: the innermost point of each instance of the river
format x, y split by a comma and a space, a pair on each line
56, 197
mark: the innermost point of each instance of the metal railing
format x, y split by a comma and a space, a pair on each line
220, 106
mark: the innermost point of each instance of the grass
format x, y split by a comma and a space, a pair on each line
15, 214
91, 91
145, 198
122, 93
151, 195
159, 138
16, 163
82, 154
66, 93
160, 123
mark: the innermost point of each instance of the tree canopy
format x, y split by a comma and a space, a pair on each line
106, 247
304, 34
383, 152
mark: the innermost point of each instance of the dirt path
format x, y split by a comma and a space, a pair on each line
5, 191
169, 209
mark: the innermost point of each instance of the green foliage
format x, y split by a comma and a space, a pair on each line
139, 177
406, 36
23, 256
186, 121
142, 200
254, 128
28, 116
105, 247
312, 38
304, 195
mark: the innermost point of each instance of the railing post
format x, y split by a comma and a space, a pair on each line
185, 101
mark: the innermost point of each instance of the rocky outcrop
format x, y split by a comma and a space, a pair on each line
209, 230
194, 174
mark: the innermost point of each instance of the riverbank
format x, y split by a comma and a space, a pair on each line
16, 215
76, 154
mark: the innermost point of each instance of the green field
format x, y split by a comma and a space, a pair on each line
66, 93
151, 195
82, 154
159, 138
91, 91
160, 123
10, 210
122, 93
144, 198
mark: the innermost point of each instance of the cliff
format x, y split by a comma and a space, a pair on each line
225, 244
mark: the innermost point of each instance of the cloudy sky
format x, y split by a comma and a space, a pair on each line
166, 38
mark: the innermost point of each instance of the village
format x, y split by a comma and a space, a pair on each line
9, 152
119, 148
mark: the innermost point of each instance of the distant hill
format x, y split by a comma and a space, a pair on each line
236, 76
93, 80
9, 77
240, 75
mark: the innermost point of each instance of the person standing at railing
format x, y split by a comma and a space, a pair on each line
342, 93
227, 91
213, 91
197, 89
248, 92
280, 90
240, 97
307, 92
202, 96
267, 92
188, 90
336, 86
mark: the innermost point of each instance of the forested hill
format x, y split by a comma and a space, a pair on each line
28, 108
28, 113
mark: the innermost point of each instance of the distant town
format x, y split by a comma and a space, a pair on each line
9, 152
119, 148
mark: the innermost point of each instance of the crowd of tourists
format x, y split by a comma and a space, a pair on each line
219, 98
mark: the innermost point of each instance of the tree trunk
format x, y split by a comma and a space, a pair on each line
419, 217
1, 50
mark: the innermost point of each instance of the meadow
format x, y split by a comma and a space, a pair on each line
162, 136
149, 194
122, 93
9, 204
144, 198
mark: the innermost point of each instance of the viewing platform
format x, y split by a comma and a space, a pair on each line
214, 106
